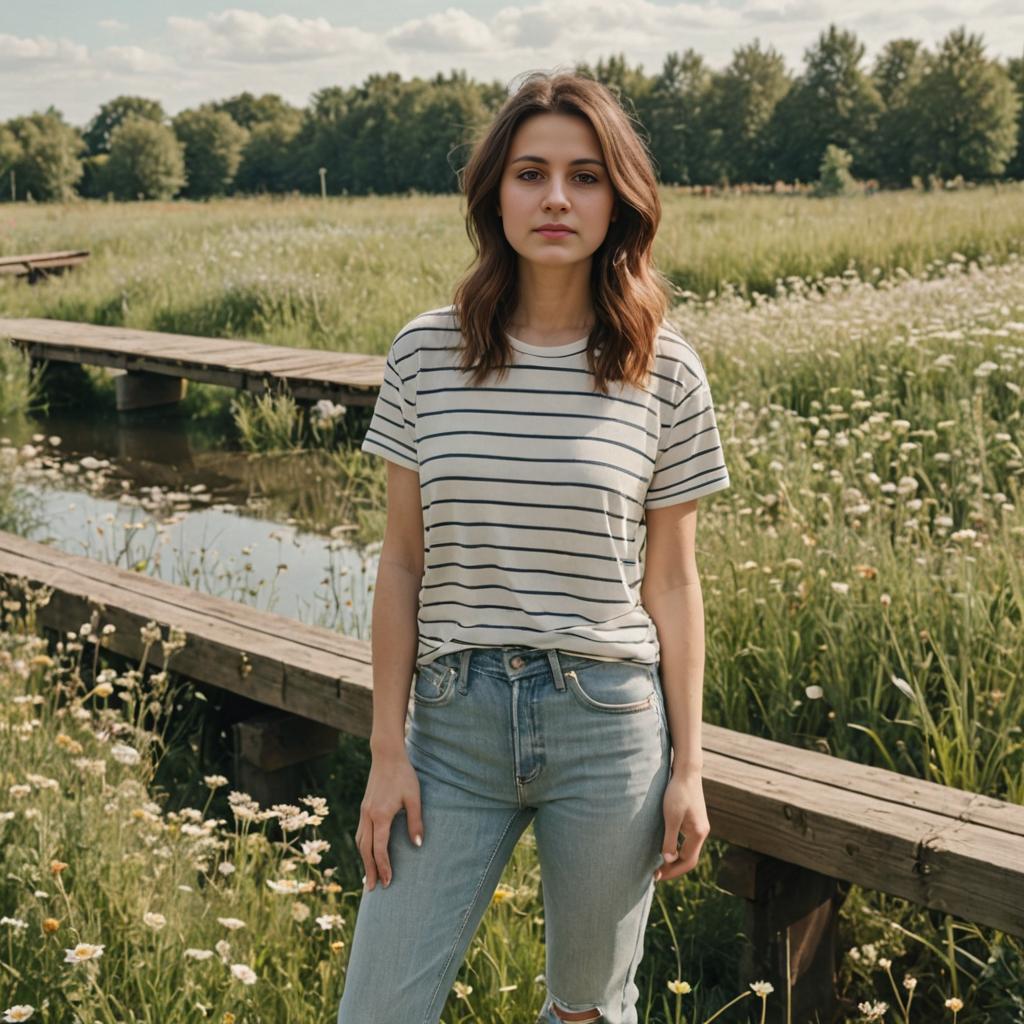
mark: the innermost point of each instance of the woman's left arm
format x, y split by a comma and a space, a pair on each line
671, 594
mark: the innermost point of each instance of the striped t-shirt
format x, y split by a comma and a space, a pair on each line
534, 488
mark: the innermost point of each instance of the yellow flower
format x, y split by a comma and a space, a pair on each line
50, 925
229, 1017
57, 866
503, 893
681, 988
338, 945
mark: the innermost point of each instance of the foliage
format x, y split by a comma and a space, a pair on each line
966, 109
213, 150
46, 157
98, 133
146, 160
834, 177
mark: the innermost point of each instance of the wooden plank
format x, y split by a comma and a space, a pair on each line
32, 263
879, 783
234, 363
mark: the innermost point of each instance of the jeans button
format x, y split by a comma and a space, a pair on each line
516, 662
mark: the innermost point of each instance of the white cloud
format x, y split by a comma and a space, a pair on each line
133, 59
39, 50
248, 36
112, 24
452, 30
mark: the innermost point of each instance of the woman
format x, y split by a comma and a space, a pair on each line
534, 467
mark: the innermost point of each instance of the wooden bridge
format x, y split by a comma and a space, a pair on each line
158, 364
802, 825
41, 264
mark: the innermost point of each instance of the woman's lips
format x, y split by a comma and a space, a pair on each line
549, 233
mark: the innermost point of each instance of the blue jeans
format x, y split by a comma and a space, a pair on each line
500, 737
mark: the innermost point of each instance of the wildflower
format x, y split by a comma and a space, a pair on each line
841, 588
50, 925
19, 790
229, 1017
103, 689
226, 868
337, 945
20, 1012
461, 990
199, 954
155, 921
14, 922
884, 962
57, 866
82, 952
955, 1004
681, 988
300, 912
762, 988
328, 921
223, 948
873, 1011
502, 893
244, 974
814, 692
125, 754
964, 535
909, 982
231, 922
215, 781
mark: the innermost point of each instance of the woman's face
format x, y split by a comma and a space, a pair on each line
555, 174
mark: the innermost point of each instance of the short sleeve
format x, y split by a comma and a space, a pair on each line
690, 462
392, 430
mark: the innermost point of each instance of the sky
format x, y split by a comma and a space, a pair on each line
76, 54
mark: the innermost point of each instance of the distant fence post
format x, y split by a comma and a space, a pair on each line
323, 182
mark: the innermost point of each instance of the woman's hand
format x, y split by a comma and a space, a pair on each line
392, 784
684, 811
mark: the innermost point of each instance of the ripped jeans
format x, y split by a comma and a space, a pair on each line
500, 737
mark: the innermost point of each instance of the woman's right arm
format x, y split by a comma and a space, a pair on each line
394, 641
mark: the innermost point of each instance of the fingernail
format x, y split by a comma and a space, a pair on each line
670, 856
418, 840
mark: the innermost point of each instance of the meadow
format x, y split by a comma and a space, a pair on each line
863, 587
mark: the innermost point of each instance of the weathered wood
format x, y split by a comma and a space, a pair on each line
309, 374
274, 739
944, 849
787, 905
40, 264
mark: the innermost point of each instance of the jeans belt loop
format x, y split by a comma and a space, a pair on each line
464, 655
556, 670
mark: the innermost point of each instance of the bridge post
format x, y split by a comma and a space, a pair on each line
269, 750
137, 389
786, 900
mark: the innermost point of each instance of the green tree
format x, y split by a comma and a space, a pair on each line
10, 154
249, 110
112, 113
834, 177
896, 72
270, 158
146, 159
49, 161
674, 114
832, 101
741, 103
213, 149
966, 111
1015, 69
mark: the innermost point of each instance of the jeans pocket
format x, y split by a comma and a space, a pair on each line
434, 684
619, 687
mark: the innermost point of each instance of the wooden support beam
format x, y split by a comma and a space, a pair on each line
787, 905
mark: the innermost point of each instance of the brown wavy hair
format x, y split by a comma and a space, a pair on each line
630, 296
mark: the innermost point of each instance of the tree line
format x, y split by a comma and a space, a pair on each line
915, 113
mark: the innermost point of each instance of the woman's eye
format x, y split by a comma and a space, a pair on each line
583, 174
